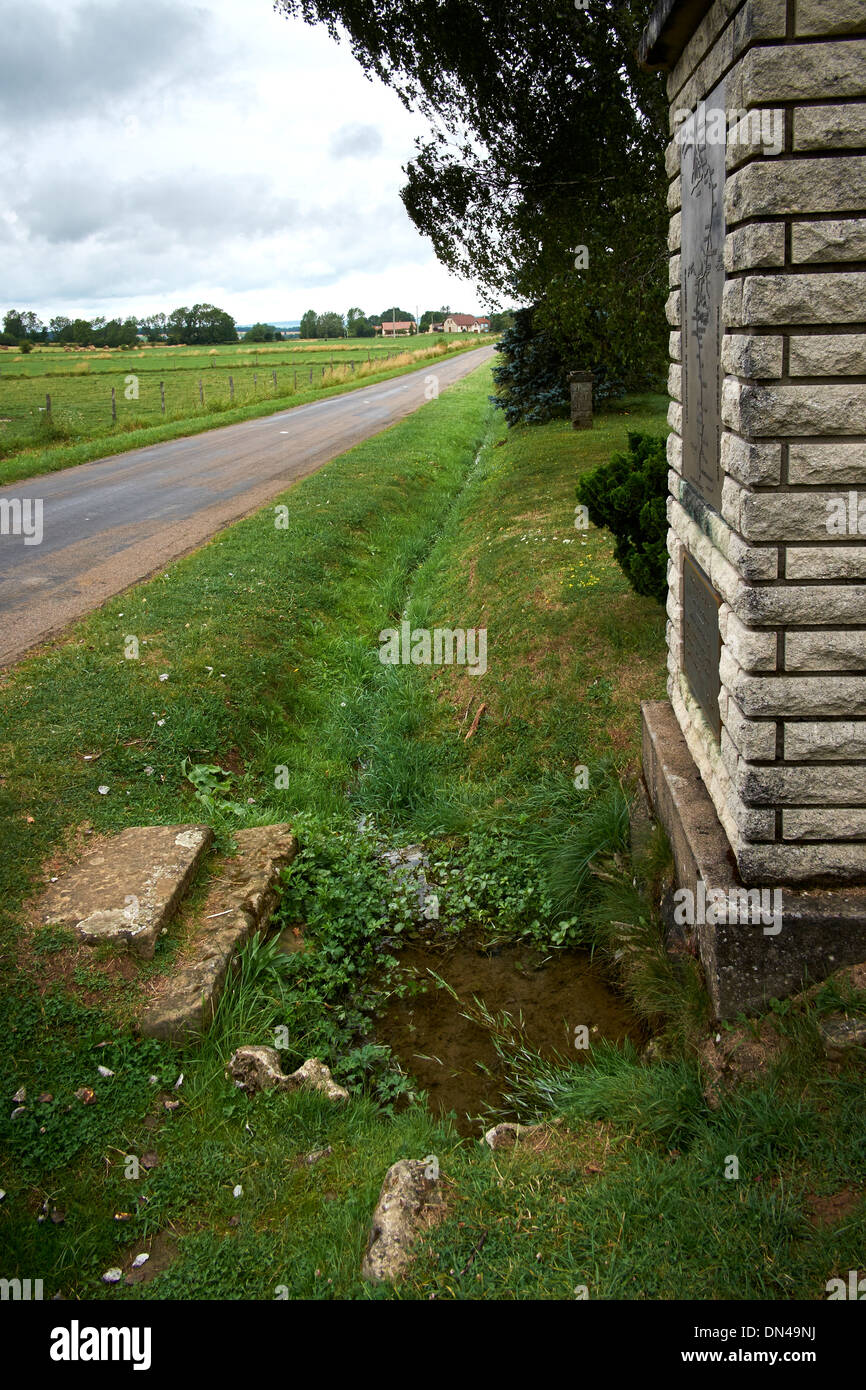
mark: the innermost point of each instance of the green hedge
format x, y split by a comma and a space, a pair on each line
628, 495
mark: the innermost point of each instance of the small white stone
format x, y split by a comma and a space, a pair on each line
238, 1191
140, 1260
105, 1071
103, 790
112, 1276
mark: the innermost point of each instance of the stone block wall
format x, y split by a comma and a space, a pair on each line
784, 545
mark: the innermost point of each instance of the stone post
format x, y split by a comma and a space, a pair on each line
580, 384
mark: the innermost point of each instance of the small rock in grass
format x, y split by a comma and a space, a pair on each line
105, 1071
238, 1191
86, 1095
507, 1134
842, 1037
149, 1160
140, 1260
112, 1276
20, 1095
45, 1097
19, 1110
318, 1077
406, 1202
255, 1068
317, 1154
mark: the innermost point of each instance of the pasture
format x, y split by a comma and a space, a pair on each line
54, 396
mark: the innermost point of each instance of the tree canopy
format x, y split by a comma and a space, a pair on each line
203, 323
546, 138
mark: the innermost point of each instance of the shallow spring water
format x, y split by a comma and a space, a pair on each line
445, 1052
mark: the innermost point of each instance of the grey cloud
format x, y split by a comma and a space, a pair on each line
67, 208
355, 141
57, 61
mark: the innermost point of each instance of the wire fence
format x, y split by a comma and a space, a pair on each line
78, 404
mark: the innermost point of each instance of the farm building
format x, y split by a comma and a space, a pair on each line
462, 323
401, 328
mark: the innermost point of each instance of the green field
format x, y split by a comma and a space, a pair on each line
55, 397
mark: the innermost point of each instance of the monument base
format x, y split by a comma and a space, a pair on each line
814, 931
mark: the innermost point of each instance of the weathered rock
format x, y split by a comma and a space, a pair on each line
408, 1201
129, 888
507, 1134
842, 1037
239, 902
255, 1068
317, 1077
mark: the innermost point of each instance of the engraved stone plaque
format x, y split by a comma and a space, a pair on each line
702, 272
702, 643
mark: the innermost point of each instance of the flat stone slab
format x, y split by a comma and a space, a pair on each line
239, 902
127, 889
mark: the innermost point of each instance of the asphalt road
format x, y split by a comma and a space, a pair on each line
108, 524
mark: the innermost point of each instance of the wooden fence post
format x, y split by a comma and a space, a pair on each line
162, 395
200, 392
231, 387
48, 405
113, 405
275, 380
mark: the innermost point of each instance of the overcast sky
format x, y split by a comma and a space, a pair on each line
163, 152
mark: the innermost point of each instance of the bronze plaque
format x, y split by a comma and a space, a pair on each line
703, 139
702, 643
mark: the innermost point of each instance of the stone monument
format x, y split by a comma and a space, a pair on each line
757, 768
580, 388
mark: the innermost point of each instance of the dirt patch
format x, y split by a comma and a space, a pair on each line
161, 1250
453, 1057
829, 1211
738, 1055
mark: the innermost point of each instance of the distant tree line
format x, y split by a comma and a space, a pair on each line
203, 323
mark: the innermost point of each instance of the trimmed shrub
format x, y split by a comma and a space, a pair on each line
628, 495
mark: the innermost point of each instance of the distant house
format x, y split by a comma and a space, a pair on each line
401, 328
463, 323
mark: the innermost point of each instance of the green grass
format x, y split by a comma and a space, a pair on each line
269, 640
203, 389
